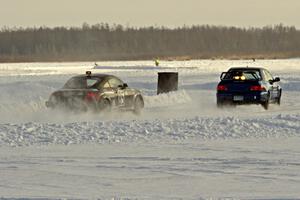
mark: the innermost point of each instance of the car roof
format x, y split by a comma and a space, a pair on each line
247, 68
96, 75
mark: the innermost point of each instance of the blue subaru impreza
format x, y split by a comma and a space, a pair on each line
248, 85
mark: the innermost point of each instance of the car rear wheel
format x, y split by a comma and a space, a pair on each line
104, 105
220, 104
266, 104
225, 104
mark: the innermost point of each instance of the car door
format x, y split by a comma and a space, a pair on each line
119, 97
107, 90
274, 88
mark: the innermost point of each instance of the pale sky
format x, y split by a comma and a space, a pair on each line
170, 13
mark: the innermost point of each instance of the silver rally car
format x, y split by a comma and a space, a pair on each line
97, 92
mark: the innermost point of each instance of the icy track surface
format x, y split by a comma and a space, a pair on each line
181, 147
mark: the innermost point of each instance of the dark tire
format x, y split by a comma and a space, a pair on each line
104, 105
220, 105
138, 105
225, 104
278, 100
266, 104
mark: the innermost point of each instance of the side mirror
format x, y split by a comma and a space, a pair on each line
276, 79
123, 86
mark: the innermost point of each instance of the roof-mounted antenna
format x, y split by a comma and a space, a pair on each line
88, 73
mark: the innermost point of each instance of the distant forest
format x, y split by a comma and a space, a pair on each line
116, 42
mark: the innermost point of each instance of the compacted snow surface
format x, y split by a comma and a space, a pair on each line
180, 147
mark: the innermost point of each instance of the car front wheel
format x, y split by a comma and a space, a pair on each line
138, 105
278, 100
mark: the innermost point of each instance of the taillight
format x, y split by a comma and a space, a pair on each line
257, 88
222, 88
91, 96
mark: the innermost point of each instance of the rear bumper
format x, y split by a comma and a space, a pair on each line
242, 98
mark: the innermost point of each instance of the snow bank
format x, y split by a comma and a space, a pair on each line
167, 99
155, 131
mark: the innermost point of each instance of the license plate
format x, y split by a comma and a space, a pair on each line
238, 98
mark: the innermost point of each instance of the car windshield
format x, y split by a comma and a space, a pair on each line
82, 83
241, 75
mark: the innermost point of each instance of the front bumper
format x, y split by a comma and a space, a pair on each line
49, 104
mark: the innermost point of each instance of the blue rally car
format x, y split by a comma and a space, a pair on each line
248, 85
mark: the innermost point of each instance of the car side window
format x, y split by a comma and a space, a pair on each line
91, 82
268, 75
114, 82
106, 85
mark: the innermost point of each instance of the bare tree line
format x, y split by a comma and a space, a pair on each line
116, 42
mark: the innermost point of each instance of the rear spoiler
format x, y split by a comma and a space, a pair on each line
222, 75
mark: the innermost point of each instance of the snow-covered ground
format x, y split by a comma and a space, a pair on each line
181, 147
